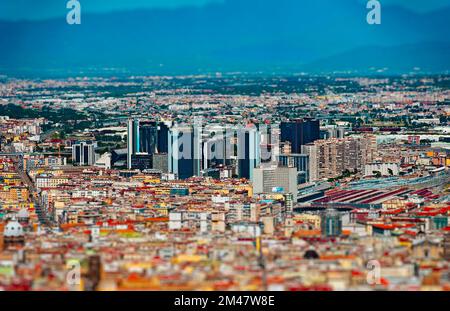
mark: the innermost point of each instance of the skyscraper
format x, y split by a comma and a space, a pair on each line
185, 151
217, 147
133, 141
299, 161
270, 142
248, 148
299, 133
83, 153
148, 137
163, 138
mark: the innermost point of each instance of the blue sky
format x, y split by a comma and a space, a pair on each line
415, 5
43, 9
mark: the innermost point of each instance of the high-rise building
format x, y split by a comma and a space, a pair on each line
248, 149
83, 153
185, 151
299, 161
299, 133
148, 137
163, 137
330, 158
270, 142
133, 140
217, 146
275, 179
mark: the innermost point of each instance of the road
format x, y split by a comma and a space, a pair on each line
44, 220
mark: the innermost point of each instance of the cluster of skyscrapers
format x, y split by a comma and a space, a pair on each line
269, 155
275, 157
193, 149
145, 141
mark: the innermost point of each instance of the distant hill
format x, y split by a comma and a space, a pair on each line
239, 35
423, 57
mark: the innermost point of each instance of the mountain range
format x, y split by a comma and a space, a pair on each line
237, 35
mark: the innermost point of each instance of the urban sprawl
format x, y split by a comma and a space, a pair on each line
225, 182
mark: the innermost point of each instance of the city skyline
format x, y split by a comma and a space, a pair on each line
228, 153
275, 182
